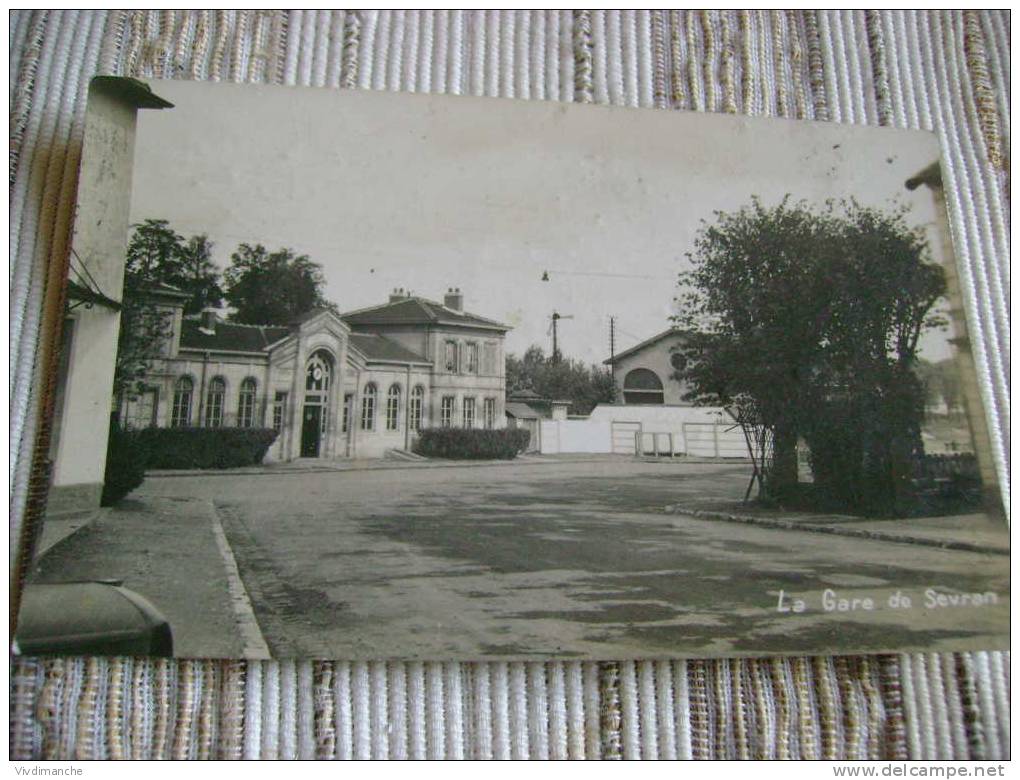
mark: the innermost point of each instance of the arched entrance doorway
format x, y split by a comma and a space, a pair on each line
315, 415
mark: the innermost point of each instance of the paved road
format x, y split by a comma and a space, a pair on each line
570, 559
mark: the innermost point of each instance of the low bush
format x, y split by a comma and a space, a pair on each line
125, 465
205, 448
472, 444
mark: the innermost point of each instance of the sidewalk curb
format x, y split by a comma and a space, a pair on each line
254, 642
859, 533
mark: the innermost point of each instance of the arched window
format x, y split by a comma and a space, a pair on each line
214, 402
246, 404
392, 407
642, 386
368, 408
180, 412
417, 405
318, 372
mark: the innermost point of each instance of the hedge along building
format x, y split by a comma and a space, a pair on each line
354, 385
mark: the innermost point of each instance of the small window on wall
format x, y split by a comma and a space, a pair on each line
392, 407
490, 413
469, 412
180, 412
446, 411
214, 403
368, 408
417, 405
279, 409
451, 357
246, 404
472, 359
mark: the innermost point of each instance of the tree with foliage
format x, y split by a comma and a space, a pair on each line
805, 323
144, 329
198, 275
273, 288
158, 254
564, 379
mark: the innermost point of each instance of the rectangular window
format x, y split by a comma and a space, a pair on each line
279, 409
446, 412
348, 403
469, 412
451, 357
472, 358
490, 413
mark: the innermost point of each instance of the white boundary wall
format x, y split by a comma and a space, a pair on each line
576, 436
594, 434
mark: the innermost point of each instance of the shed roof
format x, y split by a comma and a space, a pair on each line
521, 411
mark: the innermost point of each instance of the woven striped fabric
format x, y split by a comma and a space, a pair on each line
942, 71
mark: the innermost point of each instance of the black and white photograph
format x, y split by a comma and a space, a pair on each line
368, 375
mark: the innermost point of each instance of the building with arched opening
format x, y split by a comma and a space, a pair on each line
644, 373
354, 385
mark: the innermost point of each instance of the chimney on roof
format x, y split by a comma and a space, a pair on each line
210, 317
399, 294
454, 299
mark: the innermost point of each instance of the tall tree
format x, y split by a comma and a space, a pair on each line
198, 275
272, 288
157, 254
806, 322
564, 379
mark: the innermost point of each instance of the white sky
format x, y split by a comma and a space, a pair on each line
423, 192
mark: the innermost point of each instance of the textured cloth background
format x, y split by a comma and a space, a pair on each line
945, 71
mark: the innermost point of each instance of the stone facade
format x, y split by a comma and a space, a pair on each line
644, 373
355, 385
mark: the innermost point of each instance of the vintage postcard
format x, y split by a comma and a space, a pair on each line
368, 375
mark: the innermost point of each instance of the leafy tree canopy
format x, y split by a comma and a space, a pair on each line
273, 288
158, 254
583, 385
792, 309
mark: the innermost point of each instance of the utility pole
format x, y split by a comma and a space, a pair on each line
612, 340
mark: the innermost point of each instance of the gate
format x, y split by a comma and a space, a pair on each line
623, 433
715, 440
